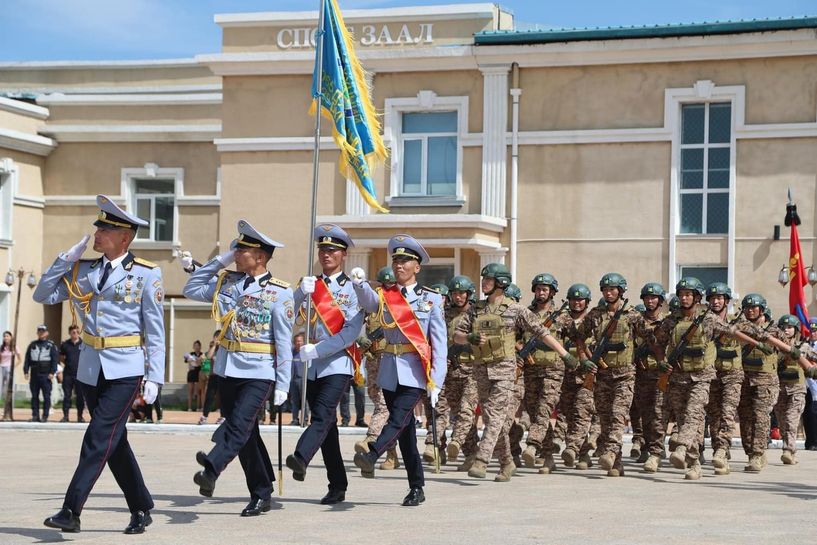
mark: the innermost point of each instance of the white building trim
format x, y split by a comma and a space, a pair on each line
133, 133
473, 243
273, 143
163, 99
419, 221
23, 108
494, 139
27, 143
84, 65
106, 90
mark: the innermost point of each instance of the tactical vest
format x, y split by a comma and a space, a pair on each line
728, 352
542, 354
758, 362
461, 354
620, 347
649, 362
500, 344
699, 353
789, 371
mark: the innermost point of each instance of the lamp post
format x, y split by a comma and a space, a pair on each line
31, 281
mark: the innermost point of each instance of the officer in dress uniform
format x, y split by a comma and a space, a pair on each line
333, 356
119, 297
414, 358
255, 313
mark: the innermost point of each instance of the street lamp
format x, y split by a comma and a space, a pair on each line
811, 276
783, 275
31, 281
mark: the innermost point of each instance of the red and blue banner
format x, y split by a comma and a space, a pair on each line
797, 276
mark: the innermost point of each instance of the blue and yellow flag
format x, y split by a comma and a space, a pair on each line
345, 100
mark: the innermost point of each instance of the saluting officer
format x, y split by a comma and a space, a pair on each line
255, 313
119, 297
413, 360
333, 356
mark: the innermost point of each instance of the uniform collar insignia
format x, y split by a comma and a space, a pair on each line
265, 279
342, 279
127, 263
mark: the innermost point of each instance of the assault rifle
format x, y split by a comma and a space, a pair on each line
601, 346
533, 343
674, 357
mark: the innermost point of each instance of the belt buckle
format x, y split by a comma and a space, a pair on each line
392, 349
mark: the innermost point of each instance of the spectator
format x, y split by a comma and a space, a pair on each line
211, 395
69, 356
296, 382
810, 411
9, 355
193, 360
39, 368
205, 371
157, 405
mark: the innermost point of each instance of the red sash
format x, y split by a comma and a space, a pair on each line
332, 318
404, 317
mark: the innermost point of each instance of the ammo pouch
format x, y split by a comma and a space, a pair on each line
460, 355
618, 355
757, 362
499, 346
788, 375
616, 347
724, 354
542, 354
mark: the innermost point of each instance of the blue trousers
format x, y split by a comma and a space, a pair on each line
39, 382
400, 427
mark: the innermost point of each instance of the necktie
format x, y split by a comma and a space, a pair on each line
404, 291
327, 280
105, 275
247, 281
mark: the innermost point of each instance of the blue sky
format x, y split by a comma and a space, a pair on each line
42, 30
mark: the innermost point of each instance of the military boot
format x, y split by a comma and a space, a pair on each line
607, 460
755, 464
723, 470
362, 446
453, 450
652, 464
428, 454
391, 461
529, 456
645, 454
569, 457
635, 452
788, 458
673, 440
478, 470
584, 461
678, 459
694, 472
617, 470
468, 463
506, 471
764, 460
548, 465
719, 459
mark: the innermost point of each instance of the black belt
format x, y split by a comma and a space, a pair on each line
616, 347
41, 366
693, 352
727, 354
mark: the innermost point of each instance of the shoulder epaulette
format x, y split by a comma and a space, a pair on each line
279, 282
145, 263
432, 290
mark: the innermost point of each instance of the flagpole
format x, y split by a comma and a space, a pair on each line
315, 171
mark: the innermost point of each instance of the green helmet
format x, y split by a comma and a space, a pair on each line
674, 303
788, 320
602, 303
614, 280
768, 314
754, 300
653, 288
386, 275
513, 292
719, 288
440, 288
640, 308
461, 283
690, 283
546, 279
499, 272
579, 291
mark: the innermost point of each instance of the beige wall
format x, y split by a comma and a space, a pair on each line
137, 115
20, 123
106, 77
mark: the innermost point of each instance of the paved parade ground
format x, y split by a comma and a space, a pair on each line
564, 508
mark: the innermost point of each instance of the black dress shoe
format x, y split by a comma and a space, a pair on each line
256, 507
366, 461
201, 459
138, 522
206, 482
361, 424
297, 466
415, 497
333, 496
64, 520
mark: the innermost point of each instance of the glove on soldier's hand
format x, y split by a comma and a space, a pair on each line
811, 372
279, 397
570, 360
358, 275
795, 353
308, 284
474, 338
76, 251
765, 348
664, 367
150, 392
589, 366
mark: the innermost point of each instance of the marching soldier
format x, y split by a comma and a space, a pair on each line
255, 313
119, 297
334, 358
413, 360
373, 343
490, 327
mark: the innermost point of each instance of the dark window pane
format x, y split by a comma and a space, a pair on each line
151, 186
164, 219
720, 123
435, 274
718, 179
412, 165
692, 124
717, 213
692, 180
692, 159
425, 122
143, 211
718, 158
707, 275
691, 213
442, 165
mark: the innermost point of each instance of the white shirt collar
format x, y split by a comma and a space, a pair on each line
334, 277
114, 262
409, 288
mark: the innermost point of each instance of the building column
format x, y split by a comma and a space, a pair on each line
355, 205
358, 257
494, 255
494, 138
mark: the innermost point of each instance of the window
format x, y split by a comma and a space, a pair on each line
705, 165
155, 201
435, 274
707, 275
429, 153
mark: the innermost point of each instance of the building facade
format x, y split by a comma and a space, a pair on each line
652, 152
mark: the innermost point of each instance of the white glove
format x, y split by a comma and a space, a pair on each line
279, 397
358, 275
76, 251
308, 352
150, 392
308, 284
227, 258
434, 395
186, 260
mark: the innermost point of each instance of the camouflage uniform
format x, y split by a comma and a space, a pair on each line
516, 430
758, 393
792, 399
576, 401
380, 415
648, 399
613, 393
495, 367
724, 392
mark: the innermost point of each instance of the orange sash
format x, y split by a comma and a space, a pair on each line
403, 315
332, 318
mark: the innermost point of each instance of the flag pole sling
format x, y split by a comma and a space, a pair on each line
315, 171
